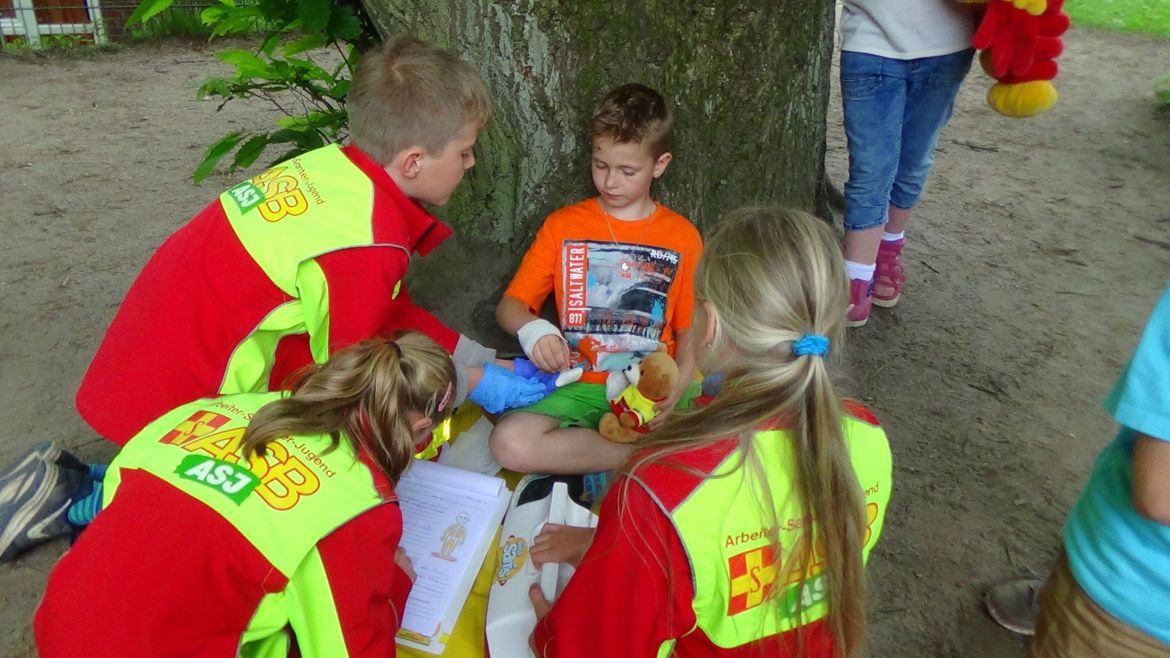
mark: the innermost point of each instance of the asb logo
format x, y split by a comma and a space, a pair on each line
277, 193
281, 479
753, 574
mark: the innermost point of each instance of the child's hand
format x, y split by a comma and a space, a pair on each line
540, 605
664, 408
404, 563
561, 544
551, 354
543, 343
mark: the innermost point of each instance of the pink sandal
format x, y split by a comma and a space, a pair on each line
860, 299
888, 276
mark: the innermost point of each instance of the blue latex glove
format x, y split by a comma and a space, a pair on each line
501, 389
529, 371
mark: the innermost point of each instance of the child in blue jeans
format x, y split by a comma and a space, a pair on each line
901, 67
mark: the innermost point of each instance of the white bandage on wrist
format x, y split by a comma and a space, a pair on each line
532, 332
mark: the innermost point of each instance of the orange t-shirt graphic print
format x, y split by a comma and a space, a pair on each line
616, 294
620, 287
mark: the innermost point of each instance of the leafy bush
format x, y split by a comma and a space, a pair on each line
182, 22
279, 70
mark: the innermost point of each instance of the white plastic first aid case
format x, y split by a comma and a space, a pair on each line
536, 501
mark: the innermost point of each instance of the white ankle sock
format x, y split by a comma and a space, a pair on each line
892, 237
859, 270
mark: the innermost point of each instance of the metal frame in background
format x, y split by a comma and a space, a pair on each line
25, 24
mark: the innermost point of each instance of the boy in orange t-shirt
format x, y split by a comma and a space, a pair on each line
621, 269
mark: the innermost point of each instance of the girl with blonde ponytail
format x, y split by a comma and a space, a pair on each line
258, 524
742, 526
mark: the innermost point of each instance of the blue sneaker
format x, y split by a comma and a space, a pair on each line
35, 495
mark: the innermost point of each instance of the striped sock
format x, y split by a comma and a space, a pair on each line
82, 512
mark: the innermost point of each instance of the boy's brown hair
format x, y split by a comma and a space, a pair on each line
634, 113
407, 93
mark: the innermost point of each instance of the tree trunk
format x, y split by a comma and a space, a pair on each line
748, 83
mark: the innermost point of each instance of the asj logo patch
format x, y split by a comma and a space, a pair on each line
232, 480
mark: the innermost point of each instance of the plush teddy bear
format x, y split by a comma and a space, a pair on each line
1019, 42
650, 381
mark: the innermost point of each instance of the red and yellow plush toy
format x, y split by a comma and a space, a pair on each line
650, 382
1020, 41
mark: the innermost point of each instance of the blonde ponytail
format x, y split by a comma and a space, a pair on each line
774, 276
364, 392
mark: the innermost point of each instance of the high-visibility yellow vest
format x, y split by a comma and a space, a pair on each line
283, 503
738, 579
285, 217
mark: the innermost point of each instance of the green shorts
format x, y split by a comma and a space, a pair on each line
582, 405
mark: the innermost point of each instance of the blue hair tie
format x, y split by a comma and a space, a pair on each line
811, 344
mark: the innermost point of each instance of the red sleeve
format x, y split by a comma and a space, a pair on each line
632, 592
361, 298
369, 590
534, 280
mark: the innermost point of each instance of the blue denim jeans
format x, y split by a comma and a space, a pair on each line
894, 110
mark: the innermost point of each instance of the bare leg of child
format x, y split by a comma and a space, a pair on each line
561, 544
899, 217
531, 443
862, 246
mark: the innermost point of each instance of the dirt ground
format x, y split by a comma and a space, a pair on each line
1039, 249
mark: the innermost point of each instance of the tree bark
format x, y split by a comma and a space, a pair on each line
747, 80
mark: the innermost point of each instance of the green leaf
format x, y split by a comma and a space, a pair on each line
281, 71
250, 151
293, 123
314, 140
215, 153
237, 57
247, 64
282, 12
307, 42
314, 15
313, 120
343, 24
341, 89
240, 20
213, 15
270, 43
214, 87
284, 136
147, 9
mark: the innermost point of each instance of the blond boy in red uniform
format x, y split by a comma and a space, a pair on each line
277, 273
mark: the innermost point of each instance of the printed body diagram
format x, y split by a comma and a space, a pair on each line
453, 537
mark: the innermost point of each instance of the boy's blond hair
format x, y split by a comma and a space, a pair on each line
636, 114
409, 93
